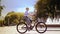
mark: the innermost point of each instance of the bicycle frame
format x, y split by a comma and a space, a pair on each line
33, 24
36, 21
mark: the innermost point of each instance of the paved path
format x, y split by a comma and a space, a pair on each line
12, 30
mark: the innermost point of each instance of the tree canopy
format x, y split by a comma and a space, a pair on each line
13, 17
47, 7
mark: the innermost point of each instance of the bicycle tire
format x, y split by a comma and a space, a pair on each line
37, 26
18, 29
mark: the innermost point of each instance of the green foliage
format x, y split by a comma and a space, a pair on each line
47, 7
13, 17
16, 21
41, 7
1, 8
1, 22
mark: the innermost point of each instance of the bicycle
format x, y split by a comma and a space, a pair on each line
22, 27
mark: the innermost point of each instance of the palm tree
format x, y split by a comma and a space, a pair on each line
1, 8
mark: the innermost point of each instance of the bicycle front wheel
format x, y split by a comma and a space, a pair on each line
21, 27
41, 27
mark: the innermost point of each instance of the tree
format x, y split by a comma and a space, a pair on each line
47, 6
42, 7
13, 18
1, 22
1, 8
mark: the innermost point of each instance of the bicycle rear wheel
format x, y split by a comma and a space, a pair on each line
21, 27
41, 27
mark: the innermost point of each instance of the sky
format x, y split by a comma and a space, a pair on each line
17, 5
